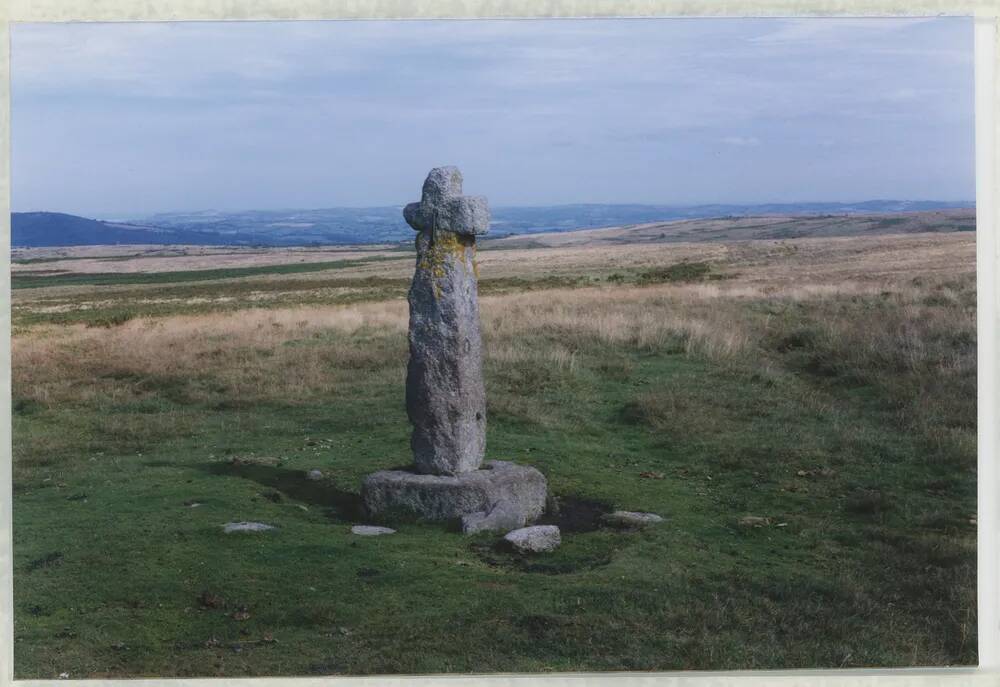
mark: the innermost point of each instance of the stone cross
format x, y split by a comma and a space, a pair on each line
442, 206
445, 396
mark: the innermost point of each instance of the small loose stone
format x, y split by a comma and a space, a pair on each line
626, 518
754, 521
231, 527
371, 530
535, 539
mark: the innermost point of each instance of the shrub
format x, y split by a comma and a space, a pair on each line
678, 272
113, 319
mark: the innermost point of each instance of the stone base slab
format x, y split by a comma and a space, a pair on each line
401, 493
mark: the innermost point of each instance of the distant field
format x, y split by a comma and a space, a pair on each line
826, 384
42, 279
103, 260
746, 228
153, 259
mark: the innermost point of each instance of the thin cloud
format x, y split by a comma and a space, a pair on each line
277, 114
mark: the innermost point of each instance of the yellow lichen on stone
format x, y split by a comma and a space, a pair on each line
445, 246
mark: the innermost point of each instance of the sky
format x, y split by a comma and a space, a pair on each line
126, 120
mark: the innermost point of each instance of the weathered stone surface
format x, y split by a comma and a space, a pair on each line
371, 530
503, 517
535, 539
445, 396
442, 206
627, 518
443, 497
231, 527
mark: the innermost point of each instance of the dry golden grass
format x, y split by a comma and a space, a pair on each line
243, 354
193, 345
264, 353
834, 265
916, 323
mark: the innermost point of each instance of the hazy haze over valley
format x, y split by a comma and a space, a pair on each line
344, 226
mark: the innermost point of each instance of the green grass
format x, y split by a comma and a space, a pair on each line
869, 560
41, 261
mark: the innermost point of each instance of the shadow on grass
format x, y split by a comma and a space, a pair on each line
338, 504
574, 516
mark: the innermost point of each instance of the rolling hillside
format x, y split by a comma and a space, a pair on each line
46, 229
747, 228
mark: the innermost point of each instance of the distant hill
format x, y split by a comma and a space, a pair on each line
58, 229
522, 220
345, 226
44, 229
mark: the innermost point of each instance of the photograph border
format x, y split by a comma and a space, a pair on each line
987, 94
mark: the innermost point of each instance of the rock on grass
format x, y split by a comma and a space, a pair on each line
535, 539
627, 518
231, 527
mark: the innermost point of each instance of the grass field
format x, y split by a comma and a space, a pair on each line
826, 385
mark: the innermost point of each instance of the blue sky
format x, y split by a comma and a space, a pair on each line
116, 120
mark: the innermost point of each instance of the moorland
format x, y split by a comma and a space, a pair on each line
800, 406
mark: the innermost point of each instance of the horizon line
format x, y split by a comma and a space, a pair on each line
132, 216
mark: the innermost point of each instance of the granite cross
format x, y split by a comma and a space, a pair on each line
442, 206
445, 396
